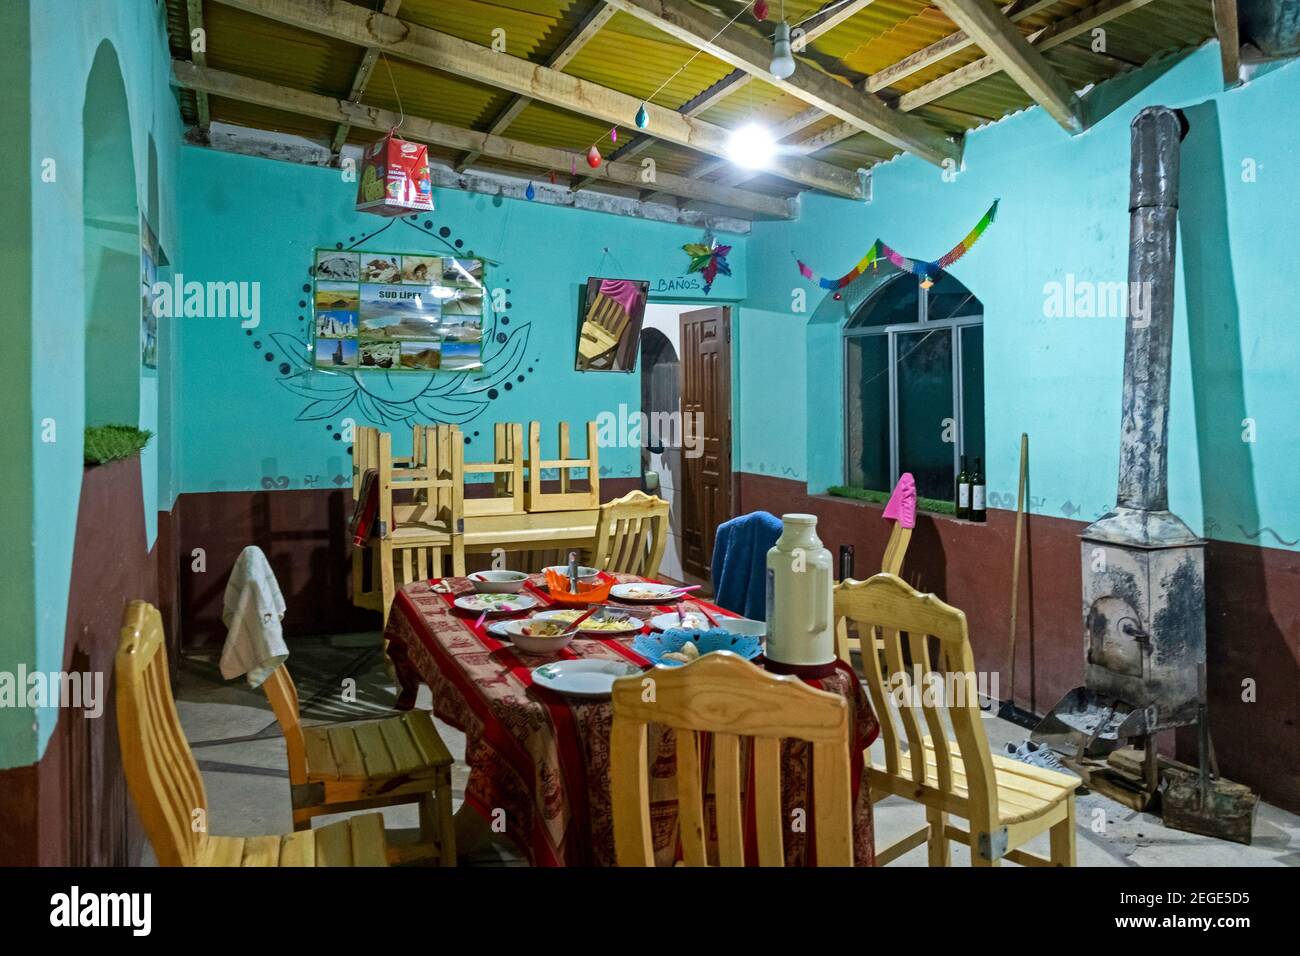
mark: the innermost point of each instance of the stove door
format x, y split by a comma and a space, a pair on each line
1116, 639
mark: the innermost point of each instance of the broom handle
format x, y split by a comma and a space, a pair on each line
1015, 565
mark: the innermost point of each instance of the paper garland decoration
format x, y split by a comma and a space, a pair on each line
926, 270
708, 258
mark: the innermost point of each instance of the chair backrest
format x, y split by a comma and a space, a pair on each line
913, 684
730, 698
631, 533
436, 477
160, 770
365, 454
282, 694
566, 499
507, 471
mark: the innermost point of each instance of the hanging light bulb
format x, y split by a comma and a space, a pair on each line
593, 157
642, 118
782, 65
751, 146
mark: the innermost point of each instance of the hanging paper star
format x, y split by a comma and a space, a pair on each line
708, 258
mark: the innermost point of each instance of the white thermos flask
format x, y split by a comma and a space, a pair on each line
800, 625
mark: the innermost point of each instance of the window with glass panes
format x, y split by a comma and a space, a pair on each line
914, 385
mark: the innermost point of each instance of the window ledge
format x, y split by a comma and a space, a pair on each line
880, 506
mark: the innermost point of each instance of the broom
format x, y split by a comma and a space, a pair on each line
1009, 710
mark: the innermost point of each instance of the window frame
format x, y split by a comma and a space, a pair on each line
923, 321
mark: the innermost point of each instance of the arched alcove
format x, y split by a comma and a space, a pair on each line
111, 221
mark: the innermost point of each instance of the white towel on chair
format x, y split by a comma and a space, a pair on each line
252, 612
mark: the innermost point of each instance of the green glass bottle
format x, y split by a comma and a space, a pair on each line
978, 508
963, 491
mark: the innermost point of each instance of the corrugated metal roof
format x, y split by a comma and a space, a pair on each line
635, 58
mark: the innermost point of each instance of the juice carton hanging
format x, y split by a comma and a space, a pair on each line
395, 178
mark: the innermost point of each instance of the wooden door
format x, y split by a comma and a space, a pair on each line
706, 423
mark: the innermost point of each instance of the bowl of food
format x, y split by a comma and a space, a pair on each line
498, 582
539, 636
602, 621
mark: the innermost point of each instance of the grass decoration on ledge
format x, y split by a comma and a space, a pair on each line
105, 443
880, 497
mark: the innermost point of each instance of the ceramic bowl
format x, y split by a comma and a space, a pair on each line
585, 574
498, 582
533, 644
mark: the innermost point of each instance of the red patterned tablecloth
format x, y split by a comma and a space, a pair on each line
539, 762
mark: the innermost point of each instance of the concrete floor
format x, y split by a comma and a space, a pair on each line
240, 752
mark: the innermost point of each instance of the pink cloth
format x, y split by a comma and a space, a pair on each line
902, 503
623, 291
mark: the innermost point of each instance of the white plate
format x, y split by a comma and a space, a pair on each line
634, 624
499, 630
695, 621
621, 593
582, 678
495, 604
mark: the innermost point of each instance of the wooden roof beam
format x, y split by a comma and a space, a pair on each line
441, 51
939, 49
1053, 35
583, 34
194, 16
1229, 32
998, 37
752, 53
360, 80
260, 93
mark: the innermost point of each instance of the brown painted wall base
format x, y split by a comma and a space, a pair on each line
72, 807
1252, 618
304, 535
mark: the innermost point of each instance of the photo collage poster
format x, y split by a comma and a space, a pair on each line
397, 312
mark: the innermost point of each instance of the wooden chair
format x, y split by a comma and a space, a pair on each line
168, 790
566, 499
366, 764
631, 534
1005, 801
602, 331
413, 535
729, 697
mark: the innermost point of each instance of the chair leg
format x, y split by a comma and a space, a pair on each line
437, 825
1062, 837
938, 842
388, 586
458, 555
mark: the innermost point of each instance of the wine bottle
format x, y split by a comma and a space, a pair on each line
978, 509
963, 491
846, 561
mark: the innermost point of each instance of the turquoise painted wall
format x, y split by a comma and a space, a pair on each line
1064, 212
62, 39
252, 415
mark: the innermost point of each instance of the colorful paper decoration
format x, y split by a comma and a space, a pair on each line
642, 118
530, 193
760, 10
709, 259
593, 157
928, 271
395, 178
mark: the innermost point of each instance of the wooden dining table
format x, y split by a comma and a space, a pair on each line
539, 761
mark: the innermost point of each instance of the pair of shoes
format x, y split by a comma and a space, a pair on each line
1039, 755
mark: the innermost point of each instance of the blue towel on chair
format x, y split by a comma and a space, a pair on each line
739, 568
